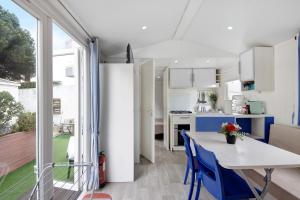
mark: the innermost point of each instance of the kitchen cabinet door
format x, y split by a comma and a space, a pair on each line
247, 66
204, 78
264, 68
181, 78
211, 124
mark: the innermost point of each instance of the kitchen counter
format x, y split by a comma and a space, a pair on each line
251, 115
256, 125
222, 115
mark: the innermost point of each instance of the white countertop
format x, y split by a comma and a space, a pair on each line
223, 115
251, 116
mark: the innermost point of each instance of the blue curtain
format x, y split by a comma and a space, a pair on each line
298, 81
95, 113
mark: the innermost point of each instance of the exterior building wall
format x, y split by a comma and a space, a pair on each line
67, 95
11, 88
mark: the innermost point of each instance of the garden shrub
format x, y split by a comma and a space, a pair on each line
26, 122
27, 85
9, 109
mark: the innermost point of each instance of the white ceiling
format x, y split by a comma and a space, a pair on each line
182, 29
119, 22
254, 22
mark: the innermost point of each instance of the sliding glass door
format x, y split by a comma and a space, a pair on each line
66, 63
41, 96
18, 100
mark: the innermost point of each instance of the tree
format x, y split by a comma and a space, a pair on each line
17, 57
9, 108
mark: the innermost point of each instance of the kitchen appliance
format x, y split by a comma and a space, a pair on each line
177, 124
256, 107
178, 139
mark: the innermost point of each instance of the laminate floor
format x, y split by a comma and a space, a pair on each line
160, 181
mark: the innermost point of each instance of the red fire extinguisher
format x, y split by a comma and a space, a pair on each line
102, 176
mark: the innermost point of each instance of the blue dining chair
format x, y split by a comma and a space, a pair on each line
223, 184
192, 164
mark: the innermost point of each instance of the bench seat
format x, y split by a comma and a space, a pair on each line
287, 179
285, 182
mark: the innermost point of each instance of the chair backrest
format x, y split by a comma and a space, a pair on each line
188, 150
210, 171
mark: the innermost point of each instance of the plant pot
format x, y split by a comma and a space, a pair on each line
231, 139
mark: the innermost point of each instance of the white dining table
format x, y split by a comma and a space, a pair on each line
247, 154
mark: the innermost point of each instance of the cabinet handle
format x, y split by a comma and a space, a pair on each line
239, 68
193, 78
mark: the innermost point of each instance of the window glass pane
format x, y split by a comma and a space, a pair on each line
65, 106
233, 88
18, 42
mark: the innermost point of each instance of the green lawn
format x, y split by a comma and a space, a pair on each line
25, 179
60, 144
22, 180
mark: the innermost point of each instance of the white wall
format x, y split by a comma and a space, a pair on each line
159, 99
182, 99
67, 95
27, 98
185, 99
63, 59
281, 102
11, 88
117, 120
66, 90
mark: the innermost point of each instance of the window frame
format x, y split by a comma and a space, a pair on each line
45, 16
44, 129
227, 89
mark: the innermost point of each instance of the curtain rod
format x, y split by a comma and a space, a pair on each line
89, 36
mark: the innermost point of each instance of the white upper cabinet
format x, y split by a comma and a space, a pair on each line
204, 78
257, 69
181, 78
188, 78
247, 66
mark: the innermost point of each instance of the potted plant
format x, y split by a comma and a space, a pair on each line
213, 98
231, 132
